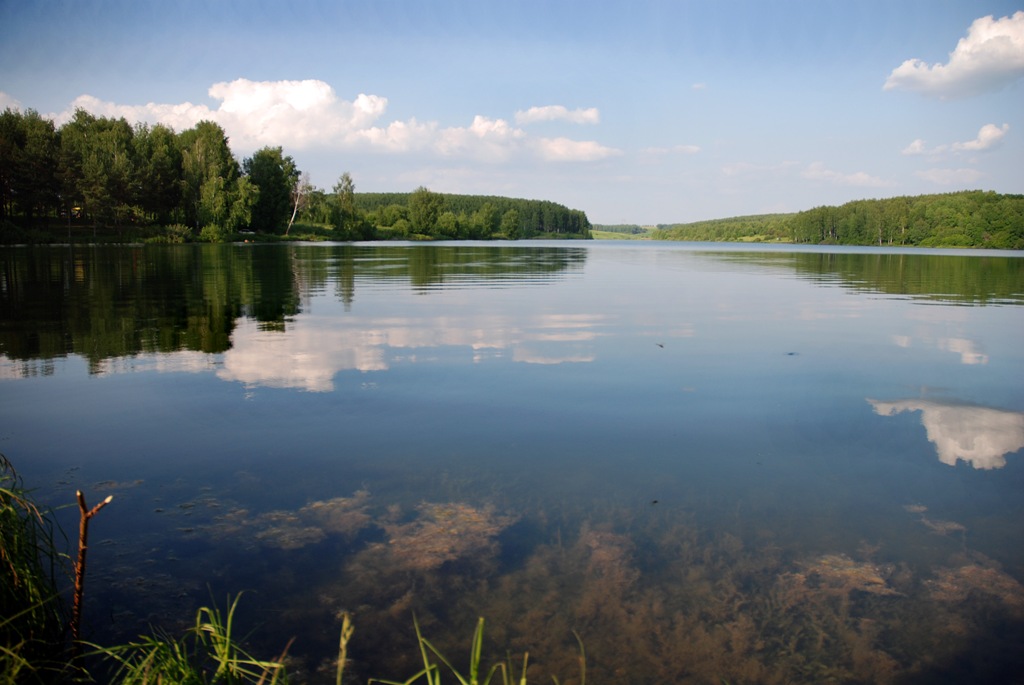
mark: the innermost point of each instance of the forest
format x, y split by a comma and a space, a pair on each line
101, 178
971, 218
105, 179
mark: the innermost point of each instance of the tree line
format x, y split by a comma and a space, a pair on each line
476, 217
625, 229
140, 181
971, 218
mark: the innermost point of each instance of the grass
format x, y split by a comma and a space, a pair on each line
33, 627
431, 671
208, 653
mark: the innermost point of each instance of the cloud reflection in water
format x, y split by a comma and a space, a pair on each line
315, 349
981, 436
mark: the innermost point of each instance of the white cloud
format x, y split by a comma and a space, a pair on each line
558, 113
179, 116
487, 139
989, 57
817, 172
915, 148
308, 114
699, 86
297, 114
398, 136
293, 114
566, 150
949, 177
989, 137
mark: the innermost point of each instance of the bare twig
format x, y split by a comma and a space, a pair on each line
83, 547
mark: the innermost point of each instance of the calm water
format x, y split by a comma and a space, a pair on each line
713, 463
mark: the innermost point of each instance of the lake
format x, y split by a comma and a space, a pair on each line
711, 462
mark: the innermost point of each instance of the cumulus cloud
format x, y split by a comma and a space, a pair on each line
817, 172
558, 113
486, 138
295, 114
949, 177
989, 57
308, 114
398, 136
989, 137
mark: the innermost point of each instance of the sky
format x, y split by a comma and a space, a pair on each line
634, 112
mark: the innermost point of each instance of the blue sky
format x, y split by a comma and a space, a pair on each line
635, 112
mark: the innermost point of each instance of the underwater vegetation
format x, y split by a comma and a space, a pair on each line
441, 533
653, 595
282, 529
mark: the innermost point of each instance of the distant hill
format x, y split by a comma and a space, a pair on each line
972, 218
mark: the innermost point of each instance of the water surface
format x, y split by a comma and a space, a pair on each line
750, 464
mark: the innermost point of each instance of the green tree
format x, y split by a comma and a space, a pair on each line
319, 208
392, 214
486, 221
12, 136
349, 221
510, 224
275, 175
345, 195
100, 167
159, 171
448, 225
425, 208
29, 146
209, 174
